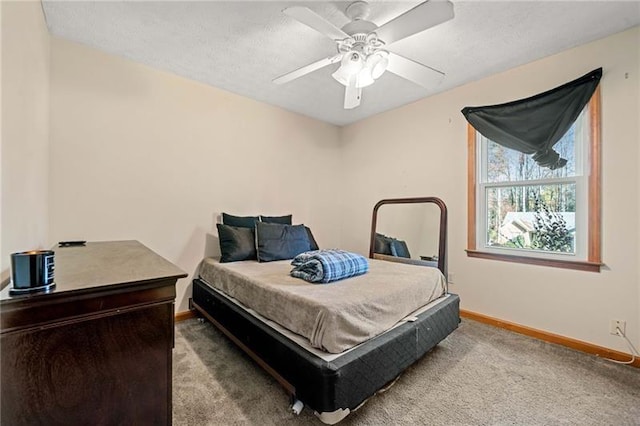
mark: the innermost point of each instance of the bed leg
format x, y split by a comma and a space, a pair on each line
296, 406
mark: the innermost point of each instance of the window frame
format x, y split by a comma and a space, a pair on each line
593, 203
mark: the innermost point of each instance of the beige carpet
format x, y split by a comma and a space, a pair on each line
479, 375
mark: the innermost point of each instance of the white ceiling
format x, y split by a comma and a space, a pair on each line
240, 46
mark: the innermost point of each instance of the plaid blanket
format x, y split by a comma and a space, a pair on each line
324, 266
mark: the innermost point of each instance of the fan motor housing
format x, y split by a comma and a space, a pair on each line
359, 26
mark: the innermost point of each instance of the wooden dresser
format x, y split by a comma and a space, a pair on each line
97, 349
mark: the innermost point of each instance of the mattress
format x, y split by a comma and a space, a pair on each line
333, 317
304, 343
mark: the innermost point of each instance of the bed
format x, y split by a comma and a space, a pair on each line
335, 364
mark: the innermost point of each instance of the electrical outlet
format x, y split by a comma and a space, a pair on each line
452, 277
615, 324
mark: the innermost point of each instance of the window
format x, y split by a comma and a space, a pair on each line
522, 212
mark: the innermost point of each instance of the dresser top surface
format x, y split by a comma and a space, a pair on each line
105, 263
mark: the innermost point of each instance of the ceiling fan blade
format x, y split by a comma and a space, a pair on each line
423, 16
413, 71
307, 69
315, 21
352, 94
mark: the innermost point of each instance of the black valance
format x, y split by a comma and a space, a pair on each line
535, 124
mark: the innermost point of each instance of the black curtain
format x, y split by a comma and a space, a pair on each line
535, 124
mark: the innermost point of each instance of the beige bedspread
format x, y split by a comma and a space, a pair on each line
335, 316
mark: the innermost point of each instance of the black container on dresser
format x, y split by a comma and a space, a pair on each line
96, 350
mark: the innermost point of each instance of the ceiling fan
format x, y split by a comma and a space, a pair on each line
362, 46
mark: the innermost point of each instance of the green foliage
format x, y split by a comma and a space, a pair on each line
551, 231
516, 242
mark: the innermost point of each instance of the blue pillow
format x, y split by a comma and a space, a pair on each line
399, 249
239, 221
275, 241
312, 240
236, 243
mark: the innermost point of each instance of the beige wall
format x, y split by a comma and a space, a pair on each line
143, 154
25, 125
422, 149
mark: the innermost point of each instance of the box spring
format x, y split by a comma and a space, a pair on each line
344, 382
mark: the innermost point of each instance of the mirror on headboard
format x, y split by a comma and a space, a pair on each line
410, 230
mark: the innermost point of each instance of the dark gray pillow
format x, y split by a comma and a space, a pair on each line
236, 243
275, 241
284, 220
239, 221
382, 244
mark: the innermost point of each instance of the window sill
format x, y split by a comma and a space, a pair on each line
566, 264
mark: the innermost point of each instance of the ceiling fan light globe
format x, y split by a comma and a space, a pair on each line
352, 63
377, 63
379, 68
364, 78
341, 77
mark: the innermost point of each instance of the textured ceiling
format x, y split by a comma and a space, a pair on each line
241, 46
